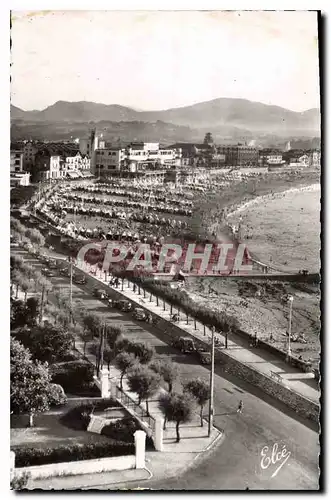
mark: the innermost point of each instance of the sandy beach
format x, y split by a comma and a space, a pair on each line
283, 228
272, 196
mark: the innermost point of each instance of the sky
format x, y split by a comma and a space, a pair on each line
159, 60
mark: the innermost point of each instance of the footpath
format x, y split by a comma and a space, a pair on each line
266, 363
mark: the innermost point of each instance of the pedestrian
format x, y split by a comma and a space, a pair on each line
240, 406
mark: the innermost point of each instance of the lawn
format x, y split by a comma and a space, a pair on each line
48, 432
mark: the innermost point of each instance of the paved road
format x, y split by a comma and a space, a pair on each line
236, 463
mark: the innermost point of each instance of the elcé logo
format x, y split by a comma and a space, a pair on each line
273, 457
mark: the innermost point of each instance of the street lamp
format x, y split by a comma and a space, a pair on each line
211, 386
290, 301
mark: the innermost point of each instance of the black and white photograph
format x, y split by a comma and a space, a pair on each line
165, 250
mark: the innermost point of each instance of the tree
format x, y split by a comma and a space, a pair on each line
17, 278
123, 362
92, 323
169, 371
35, 237
208, 138
199, 389
176, 408
30, 386
108, 355
32, 310
85, 336
142, 351
122, 344
16, 262
143, 381
48, 342
94, 348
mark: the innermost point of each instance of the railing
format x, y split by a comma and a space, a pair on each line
129, 403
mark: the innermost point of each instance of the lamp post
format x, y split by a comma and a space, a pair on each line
290, 301
70, 297
211, 386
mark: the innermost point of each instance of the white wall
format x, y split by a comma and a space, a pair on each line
80, 467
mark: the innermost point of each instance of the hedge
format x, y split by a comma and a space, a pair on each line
73, 376
78, 417
26, 457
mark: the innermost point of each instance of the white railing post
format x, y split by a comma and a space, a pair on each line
104, 380
158, 441
140, 444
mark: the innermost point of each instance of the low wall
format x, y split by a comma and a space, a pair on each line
80, 467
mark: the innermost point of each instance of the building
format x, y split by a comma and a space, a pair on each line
88, 145
109, 159
136, 157
19, 179
16, 160
218, 160
315, 158
195, 154
47, 166
239, 155
75, 163
298, 159
270, 157
181, 176
30, 149
58, 160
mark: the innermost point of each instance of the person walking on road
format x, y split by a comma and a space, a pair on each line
240, 406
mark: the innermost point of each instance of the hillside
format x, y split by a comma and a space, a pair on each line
220, 115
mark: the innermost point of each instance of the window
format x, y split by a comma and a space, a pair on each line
17, 162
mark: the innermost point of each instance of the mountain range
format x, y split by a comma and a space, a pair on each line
223, 117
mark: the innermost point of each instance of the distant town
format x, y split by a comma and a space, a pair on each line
34, 161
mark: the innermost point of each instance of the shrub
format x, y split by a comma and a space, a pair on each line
57, 395
26, 457
123, 429
78, 418
73, 376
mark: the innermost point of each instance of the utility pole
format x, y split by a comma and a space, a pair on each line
102, 345
290, 300
70, 297
211, 385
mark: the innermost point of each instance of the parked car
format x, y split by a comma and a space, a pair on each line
48, 272
125, 306
52, 264
204, 357
44, 259
139, 314
64, 271
184, 344
100, 294
79, 279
